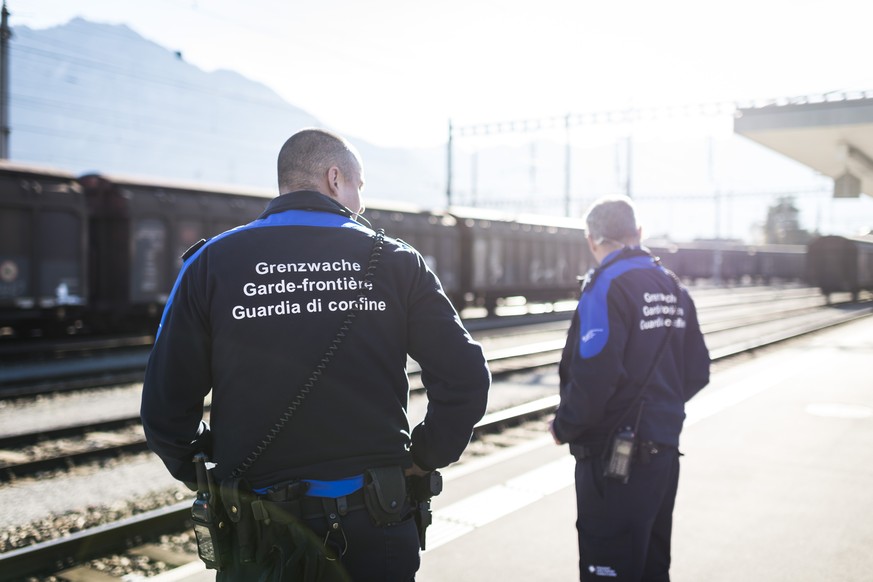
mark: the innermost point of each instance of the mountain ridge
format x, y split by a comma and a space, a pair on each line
99, 97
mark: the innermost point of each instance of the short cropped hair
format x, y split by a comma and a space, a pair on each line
308, 154
613, 218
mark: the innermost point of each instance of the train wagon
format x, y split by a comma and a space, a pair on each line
43, 251
139, 230
732, 262
433, 234
841, 264
691, 261
538, 258
780, 263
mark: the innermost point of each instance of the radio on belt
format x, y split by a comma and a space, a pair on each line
618, 465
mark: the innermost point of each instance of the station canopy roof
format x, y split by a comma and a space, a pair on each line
830, 133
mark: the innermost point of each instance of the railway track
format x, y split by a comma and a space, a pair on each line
59, 448
111, 538
31, 368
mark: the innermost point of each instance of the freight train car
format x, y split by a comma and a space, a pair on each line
43, 251
781, 263
733, 263
841, 264
537, 258
138, 232
434, 234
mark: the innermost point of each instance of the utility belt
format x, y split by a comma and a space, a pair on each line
644, 452
267, 508
249, 523
382, 491
309, 499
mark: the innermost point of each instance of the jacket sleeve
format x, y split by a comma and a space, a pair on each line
176, 381
592, 365
453, 370
697, 358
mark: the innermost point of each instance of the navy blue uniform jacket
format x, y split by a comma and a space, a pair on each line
251, 315
623, 317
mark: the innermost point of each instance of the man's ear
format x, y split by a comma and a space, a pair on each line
333, 177
592, 245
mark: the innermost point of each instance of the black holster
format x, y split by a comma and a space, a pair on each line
421, 490
385, 495
237, 498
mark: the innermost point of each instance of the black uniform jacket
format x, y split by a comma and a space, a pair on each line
251, 315
627, 309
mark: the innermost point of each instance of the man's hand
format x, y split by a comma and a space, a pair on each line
416, 471
552, 431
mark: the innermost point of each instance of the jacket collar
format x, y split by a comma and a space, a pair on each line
624, 252
305, 200
613, 258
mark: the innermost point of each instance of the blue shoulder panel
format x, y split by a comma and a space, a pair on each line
286, 218
594, 310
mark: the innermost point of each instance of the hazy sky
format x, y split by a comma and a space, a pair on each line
395, 71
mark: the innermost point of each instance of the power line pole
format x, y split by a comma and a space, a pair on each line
449, 168
567, 163
5, 34
630, 166
474, 178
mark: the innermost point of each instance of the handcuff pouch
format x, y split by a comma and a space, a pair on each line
385, 494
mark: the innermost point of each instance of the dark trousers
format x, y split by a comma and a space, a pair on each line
625, 529
372, 554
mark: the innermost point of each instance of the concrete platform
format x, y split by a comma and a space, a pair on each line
776, 484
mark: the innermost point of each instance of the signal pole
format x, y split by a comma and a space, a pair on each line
5, 34
449, 168
568, 155
628, 185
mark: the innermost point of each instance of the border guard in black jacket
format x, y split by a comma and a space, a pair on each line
634, 356
250, 318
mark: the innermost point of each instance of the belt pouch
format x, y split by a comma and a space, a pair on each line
385, 494
237, 499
